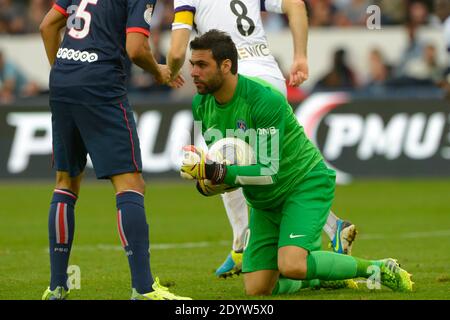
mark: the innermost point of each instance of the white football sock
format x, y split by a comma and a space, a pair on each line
331, 225
237, 212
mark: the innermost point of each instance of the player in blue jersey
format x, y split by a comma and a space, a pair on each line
91, 115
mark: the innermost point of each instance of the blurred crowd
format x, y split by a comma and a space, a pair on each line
418, 67
24, 16
343, 13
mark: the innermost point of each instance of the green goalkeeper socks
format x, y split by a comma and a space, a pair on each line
287, 286
326, 265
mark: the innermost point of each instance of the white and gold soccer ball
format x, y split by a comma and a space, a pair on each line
232, 151
228, 151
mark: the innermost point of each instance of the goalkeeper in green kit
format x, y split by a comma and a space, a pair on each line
290, 190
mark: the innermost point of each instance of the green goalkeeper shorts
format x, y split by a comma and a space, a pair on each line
297, 222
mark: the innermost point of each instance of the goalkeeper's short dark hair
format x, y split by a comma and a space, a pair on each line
221, 46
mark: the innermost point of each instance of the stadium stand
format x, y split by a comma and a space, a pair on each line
420, 66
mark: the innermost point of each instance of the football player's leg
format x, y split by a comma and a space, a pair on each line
304, 214
342, 234
69, 160
134, 236
260, 264
268, 282
133, 228
330, 226
260, 254
336, 269
115, 153
260, 283
237, 212
61, 227
299, 255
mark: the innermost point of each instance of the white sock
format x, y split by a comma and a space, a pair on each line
331, 225
237, 212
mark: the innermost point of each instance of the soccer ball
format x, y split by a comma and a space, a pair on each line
232, 151
227, 151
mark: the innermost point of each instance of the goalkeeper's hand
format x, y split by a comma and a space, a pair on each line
206, 188
196, 166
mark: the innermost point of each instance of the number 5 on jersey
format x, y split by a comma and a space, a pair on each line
74, 21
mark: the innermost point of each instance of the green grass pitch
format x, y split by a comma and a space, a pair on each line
190, 236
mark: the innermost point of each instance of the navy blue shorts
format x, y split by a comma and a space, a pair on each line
107, 132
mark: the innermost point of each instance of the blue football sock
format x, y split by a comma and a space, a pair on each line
61, 226
134, 236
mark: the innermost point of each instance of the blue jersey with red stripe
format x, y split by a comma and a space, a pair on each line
91, 62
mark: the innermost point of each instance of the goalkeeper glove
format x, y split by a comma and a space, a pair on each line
206, 188
196, 166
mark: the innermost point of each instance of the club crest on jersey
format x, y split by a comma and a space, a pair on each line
241, 125
148, 13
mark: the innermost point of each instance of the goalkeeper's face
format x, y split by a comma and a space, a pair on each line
207, 75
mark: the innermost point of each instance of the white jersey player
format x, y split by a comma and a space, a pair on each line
241, 19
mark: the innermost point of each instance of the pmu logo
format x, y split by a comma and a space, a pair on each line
379, 137
416, 136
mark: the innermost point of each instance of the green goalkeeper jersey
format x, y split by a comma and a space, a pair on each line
261, 116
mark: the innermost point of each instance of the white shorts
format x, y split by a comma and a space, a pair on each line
265, 70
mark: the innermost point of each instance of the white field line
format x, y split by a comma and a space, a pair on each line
206, 244
407, 235
156, 246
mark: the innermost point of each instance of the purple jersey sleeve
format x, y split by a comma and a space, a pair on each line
140, 14
62, 5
